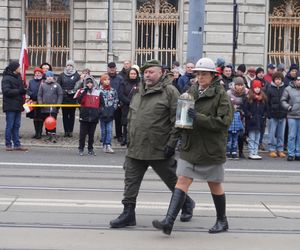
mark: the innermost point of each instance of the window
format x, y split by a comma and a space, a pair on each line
48, 32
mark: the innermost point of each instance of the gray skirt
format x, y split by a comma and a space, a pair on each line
213, 173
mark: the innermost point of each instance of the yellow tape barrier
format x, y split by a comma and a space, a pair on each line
53, 105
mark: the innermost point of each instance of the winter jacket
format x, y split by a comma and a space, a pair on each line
184, 80
50, 93
12, 91
115, 82
90, 102
151, 120
67, 84
290, 101
205, 144
127, 89
236, 124
288, 79
110, 103
275, 109
227, 82
33, 88
255, 113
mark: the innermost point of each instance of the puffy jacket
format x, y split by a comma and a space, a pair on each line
151, 120
50, 93
290, 101
205, 144
13, 91
275, 109
67, 84
255, 113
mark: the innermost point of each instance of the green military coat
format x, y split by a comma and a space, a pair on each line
151, 119
205, 144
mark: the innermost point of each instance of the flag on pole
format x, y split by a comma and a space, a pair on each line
24, 63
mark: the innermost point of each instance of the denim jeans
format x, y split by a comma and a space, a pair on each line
276, 134
232, 142
294, 137
253, 141
106, 132
13, 124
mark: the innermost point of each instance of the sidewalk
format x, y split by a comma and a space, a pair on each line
27, 131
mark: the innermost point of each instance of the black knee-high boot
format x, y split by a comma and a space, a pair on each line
221, 224
176, 203
39, 129
35, 123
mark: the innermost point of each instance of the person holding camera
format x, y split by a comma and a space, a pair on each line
67, 81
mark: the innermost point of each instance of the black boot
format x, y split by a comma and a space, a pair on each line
176, 203
126, 218
39, 130
187, 209
221, 224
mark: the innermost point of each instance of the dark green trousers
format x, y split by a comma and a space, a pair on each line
136, 169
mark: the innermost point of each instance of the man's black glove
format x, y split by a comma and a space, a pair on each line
192, 113
169, 152
22, 91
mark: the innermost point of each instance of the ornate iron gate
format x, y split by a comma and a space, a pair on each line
48, 31
156, 31
284, 33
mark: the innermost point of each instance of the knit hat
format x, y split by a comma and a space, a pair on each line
238, 81
70, 62
220, 62
256, 84
259, 70
271, 66
49, 74
151, 63
13, 65
277, 74
281, 66
294, 66
37, 69
176, 63
242, 67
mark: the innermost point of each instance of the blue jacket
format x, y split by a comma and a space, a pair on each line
236, 124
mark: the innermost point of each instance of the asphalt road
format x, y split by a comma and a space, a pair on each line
51, 198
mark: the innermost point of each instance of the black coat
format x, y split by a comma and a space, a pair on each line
13, 91
67, 84
255, 113
275, 109
127, 89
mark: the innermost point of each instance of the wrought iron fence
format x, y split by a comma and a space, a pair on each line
284, 34
157, 30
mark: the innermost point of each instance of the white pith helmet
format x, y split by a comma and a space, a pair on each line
205, 64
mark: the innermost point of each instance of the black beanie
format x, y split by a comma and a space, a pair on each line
242, 68
13, 65
258, 70
294, 66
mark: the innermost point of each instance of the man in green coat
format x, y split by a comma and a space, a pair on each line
152, 140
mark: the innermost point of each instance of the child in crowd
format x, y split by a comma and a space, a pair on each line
237, 95
255, 109
50, 92
32, 92
89, 98
276, 115
290, 100
110, 101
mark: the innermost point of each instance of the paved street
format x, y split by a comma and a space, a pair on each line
51, 198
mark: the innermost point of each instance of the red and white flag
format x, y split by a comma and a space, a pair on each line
24, 62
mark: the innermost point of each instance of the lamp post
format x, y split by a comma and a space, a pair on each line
235, 31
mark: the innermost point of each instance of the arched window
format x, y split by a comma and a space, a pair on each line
156, 30
284, 32
48, 31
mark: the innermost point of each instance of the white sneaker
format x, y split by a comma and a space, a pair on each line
109, 149
105, 148
252, 157
258, 157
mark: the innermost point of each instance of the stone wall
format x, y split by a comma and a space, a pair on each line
252, 31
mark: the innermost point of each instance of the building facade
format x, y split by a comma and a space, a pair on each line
94, 32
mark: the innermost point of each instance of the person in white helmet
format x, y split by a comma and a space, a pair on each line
203, 152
